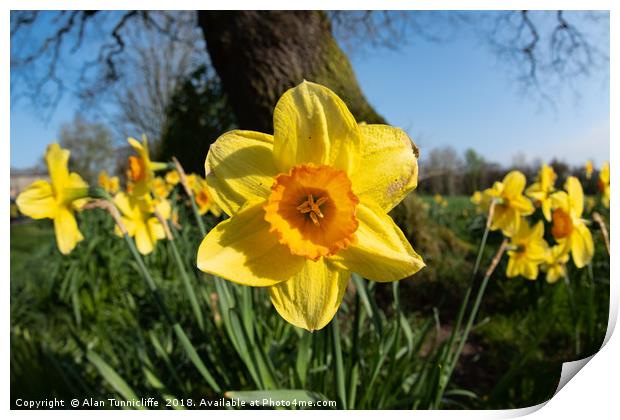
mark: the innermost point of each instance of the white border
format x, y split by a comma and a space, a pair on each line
594, 393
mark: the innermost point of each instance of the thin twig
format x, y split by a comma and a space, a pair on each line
497, 258
601, 223
182, 176
164, 223
110, 208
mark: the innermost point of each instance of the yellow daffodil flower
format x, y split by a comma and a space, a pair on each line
603, 184
203, 199
527, 251
110, 184
511, 204
440, 200
589, 169
137, 214
541, 190
172, 178
160, 188
555, 264
476, 198
569, 229
191, 180
56, 200
140, 168
309, 205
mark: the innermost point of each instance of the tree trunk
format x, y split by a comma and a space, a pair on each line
258, 55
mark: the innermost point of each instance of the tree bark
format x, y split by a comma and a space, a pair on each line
258, 55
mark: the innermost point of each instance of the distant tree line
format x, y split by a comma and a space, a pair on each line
448, 173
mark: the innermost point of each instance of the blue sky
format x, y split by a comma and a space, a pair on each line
453, 93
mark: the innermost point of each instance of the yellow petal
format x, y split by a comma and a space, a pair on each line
239, 167
529, 270
75, 191
387, 169
57, 160
143, 238
121, 200
575, 196
66, 230
536, 192
546, 209
156, 230
241, 249
554, 273
37, 201
381, 253
311, 298
164, 208
559, 200
582, 245
512, 269
130, 226
313, 125
522, 204
514, 182
136, 145
507, 219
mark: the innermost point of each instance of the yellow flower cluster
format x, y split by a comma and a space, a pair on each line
146, 197
562, 211
440, 200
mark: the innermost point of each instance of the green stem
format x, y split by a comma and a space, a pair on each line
591, 309
340, 379
571, 301
201, 224
459, 320
353, 367
187, 283
146, 276
152, 286
470, 320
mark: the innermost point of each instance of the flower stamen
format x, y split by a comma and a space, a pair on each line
313, 208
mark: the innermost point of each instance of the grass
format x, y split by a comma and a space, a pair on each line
84, 325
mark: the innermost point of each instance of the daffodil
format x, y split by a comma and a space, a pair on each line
140, 168
191, 181
476, 198
541, 190
527, 251
555, 264
440, 200
603, 184
203, 198
589, 169
309, 205
137, 215
172, 177
569, 229
110, 184
510, 205
160, 188
57, 199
